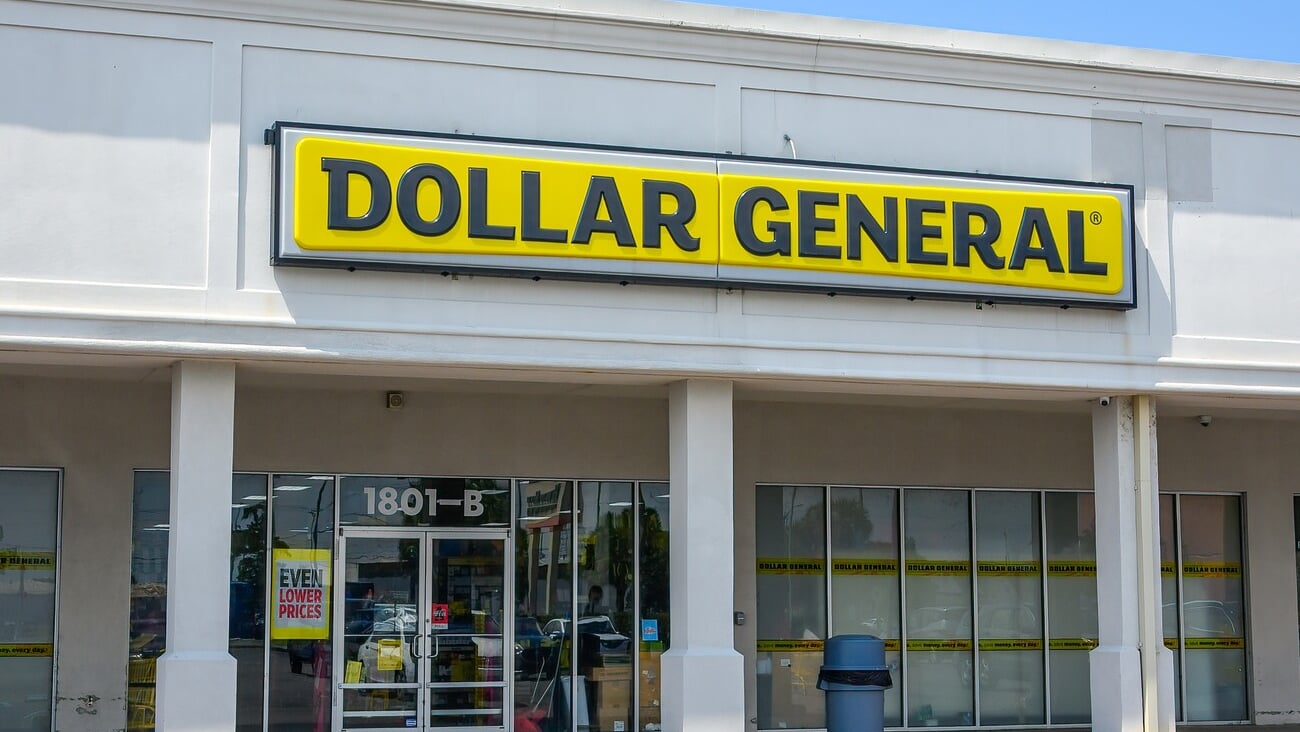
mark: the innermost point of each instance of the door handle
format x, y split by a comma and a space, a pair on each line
415, 643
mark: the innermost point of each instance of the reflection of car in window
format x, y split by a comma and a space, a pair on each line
1207, 619
1009, 621
531, 645
939, 622
597, 638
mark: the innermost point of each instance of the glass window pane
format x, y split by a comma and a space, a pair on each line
1071, 603
28, 545
791, 589
864, 576
381, 593
150, 514
1169, 593
1214, 637
302, 518
379, 708
248, 595
543, 604
653, 614
1010, 627
940, 679
605, 595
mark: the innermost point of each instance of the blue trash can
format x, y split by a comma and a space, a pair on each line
854, 676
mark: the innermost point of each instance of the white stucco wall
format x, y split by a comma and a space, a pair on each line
141, 197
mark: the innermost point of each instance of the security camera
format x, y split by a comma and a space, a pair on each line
395, 400
1104, 401
1204, 419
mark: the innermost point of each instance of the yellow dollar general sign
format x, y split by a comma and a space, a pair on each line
794, 565
357, 198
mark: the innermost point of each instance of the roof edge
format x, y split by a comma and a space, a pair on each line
771, 24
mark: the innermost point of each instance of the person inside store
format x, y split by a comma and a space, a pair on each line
595, 601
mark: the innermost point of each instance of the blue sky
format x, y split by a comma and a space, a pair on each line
1262, 29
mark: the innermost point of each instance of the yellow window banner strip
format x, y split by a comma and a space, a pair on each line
809, 646
26, 650
1171, 644
791, 565
1168, 569
865, 566
1072, 644
1213, 644
26, 560
1212, 569
790, 646
1011, 644
937, 644
1008, 569
1072, 568
938, 567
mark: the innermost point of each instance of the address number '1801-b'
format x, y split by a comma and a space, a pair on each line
389, 501
358, 198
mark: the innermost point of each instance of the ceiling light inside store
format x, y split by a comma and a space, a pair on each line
162, 526
239, 505
292, 488
535, 518
253, 498
321, 477
620, 504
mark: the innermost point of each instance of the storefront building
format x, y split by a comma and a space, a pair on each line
541, 366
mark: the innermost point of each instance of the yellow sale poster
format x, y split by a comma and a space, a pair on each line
300, 606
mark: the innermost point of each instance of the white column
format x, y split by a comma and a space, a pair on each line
703, 675
1275, 674
196, 675
1131, 670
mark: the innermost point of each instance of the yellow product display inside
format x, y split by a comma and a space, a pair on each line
352, 672
389, 655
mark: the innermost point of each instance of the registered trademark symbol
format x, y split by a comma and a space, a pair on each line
1096, 218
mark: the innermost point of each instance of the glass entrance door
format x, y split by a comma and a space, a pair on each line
420, 630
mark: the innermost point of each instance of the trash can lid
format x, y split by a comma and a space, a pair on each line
854, 651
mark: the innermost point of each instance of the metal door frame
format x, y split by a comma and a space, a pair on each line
426, 536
